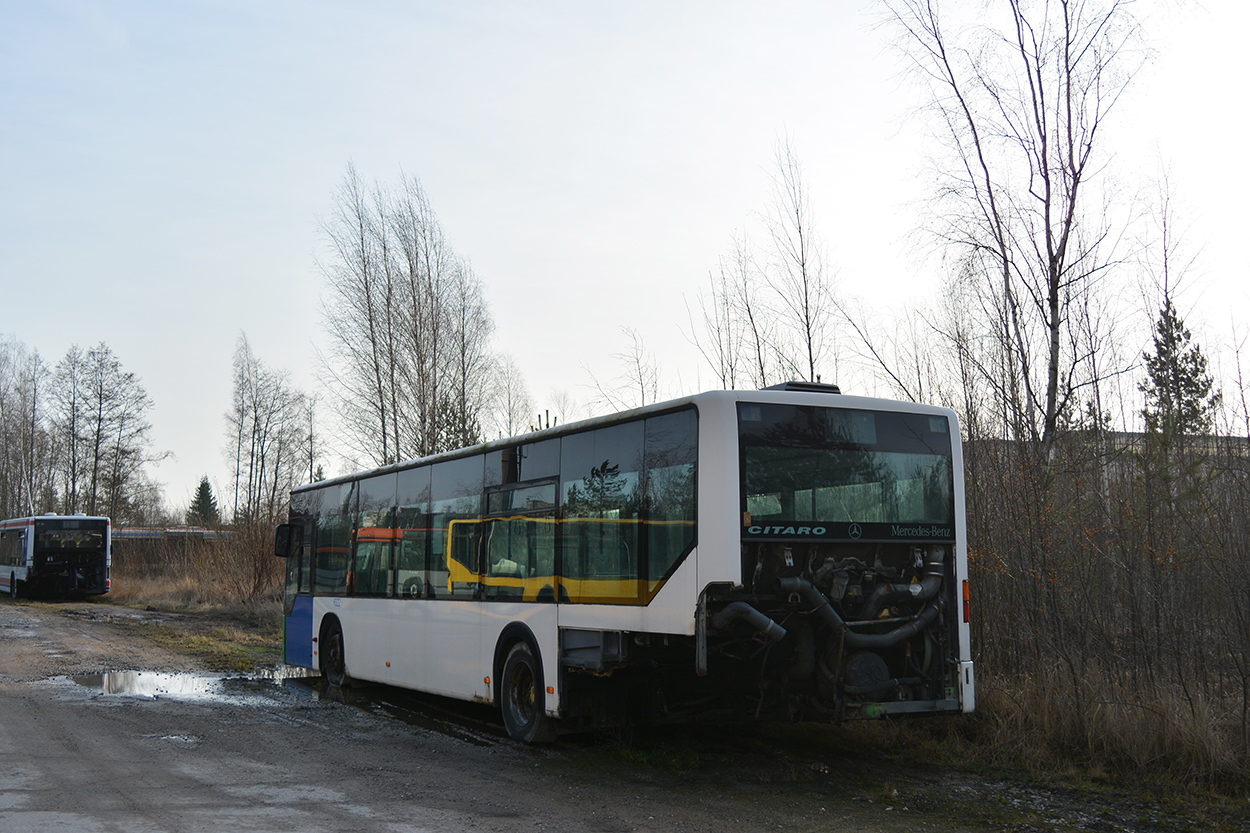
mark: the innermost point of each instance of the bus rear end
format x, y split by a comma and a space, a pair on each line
71, 556
852, 601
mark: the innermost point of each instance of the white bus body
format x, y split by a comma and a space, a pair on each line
57, 555
804, 558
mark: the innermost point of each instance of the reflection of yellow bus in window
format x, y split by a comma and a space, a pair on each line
599, 562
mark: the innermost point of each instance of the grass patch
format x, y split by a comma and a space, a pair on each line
218, 647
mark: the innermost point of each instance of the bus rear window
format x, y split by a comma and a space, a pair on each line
70, 535
845, 474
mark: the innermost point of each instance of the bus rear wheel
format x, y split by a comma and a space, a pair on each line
12, 585
522, 697
333, 658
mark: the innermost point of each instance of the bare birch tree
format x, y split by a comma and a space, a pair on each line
269, 438
410, 330
768, 314
1020, 99
25, 446
100, 419
638, 383
514, 407
802, 288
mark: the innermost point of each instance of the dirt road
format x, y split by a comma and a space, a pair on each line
175, 748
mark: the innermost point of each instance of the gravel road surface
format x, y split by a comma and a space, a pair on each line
103, 730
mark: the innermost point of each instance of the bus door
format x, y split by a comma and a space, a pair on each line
294, 543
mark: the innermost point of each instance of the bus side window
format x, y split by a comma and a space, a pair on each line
601, 505
672, 448
375, 537
334, 540
412, 568
455, 506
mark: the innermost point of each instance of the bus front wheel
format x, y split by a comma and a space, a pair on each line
333, 659
522, 697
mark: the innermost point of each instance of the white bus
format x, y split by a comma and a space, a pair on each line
787, 553
55, 555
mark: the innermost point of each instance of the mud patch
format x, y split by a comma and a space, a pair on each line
470, 723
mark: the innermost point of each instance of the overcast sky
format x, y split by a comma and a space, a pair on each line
165, 166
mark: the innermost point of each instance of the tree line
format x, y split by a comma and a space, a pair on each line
74, 437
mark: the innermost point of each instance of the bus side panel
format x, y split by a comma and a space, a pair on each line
297, 634
450, 639
719, 502
369, 628
408, 635
429, 645
671, 611
541, 621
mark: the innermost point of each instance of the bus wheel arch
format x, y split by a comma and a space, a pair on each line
519, 687
332, 654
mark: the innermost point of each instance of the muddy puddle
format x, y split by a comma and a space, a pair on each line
198, 686
470, 723
467, 722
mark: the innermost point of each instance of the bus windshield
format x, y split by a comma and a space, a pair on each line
845, 474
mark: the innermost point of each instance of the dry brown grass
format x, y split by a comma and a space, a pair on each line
1157, 734
169, 592
236, 572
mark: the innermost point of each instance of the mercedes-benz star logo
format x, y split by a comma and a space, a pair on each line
855, 531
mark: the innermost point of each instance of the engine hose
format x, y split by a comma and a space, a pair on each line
741, 610
884, 594
794, 584
804, 652
922, 591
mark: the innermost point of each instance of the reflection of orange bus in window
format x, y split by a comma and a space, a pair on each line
771, 553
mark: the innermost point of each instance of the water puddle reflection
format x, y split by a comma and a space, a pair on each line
470, 723
153, 685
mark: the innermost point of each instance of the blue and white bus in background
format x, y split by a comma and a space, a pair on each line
790, 553
55, 555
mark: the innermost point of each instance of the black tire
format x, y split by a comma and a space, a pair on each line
333, 657
522, 697
12, 585
413, 588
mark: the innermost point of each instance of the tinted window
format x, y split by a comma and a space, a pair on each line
601, 509
13, 548
413, 523
375, 536
847, 474
671, 451
334, 538
456, 498
69, 535
304, 509
520, 463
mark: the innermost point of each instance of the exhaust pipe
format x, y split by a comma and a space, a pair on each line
741, 610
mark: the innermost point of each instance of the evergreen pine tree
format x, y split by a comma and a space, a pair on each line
1180, 396
203, 509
